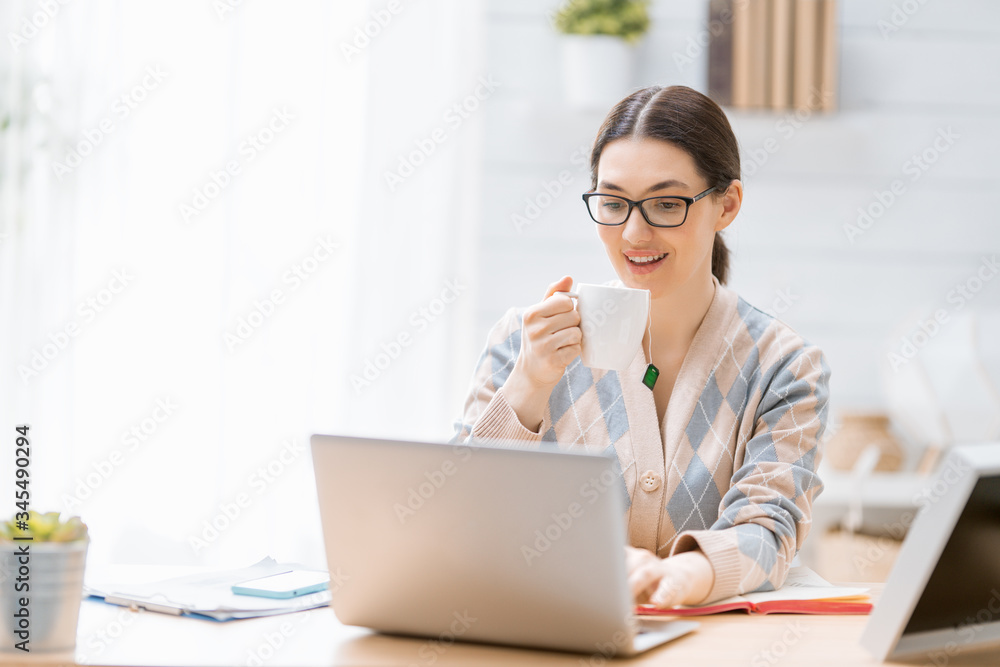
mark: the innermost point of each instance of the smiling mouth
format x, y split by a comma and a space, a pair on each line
645, 260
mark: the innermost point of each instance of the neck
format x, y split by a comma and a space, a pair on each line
676, 317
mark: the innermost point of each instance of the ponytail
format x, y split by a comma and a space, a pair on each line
720, 259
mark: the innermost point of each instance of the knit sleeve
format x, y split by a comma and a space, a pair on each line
487, 415
766, 514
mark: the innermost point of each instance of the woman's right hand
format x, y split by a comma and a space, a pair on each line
550, 339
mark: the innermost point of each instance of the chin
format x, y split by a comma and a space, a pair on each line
652, 281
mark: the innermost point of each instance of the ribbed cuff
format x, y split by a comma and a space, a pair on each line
500, 422
722, 552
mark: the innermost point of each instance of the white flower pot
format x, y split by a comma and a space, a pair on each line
54, 574
597, 70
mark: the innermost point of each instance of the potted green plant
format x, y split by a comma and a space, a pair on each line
42, 561
597, 44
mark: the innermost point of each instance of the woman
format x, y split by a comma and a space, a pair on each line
719, 459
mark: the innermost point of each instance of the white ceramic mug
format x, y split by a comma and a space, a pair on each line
613, 320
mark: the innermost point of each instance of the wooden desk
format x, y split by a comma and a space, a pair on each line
111, 635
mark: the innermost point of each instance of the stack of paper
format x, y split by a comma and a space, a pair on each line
208, 594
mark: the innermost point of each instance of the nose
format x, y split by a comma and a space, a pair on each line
636, 229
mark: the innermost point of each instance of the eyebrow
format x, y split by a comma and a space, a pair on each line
662, 185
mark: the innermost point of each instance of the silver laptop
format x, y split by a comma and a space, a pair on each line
485, 543
943, 594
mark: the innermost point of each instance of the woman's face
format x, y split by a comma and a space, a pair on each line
637, 168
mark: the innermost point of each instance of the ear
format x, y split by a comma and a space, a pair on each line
731, 202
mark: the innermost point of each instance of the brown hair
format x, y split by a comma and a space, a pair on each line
689, 120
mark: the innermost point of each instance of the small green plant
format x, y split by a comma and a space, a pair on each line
628, 19
44, 528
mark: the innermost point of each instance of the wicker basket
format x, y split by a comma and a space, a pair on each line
859, 430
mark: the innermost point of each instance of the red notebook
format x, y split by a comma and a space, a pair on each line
804, 592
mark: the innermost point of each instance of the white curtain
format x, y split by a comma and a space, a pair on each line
200, 256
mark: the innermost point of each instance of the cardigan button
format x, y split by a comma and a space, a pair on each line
650, 481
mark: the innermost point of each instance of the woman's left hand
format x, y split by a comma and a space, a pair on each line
686, 578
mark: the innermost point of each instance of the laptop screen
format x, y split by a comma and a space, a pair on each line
963, 592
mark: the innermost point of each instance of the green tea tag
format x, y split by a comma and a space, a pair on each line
649, 379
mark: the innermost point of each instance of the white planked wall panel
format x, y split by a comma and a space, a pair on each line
940, 70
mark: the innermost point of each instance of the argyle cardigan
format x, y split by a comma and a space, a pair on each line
730, 471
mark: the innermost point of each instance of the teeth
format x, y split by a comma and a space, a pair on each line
645, 260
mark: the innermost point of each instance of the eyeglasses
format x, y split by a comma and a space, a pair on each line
658, 211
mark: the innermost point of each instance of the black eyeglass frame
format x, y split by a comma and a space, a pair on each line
631, 204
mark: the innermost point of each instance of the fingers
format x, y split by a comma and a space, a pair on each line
635, 557
556, 310
558, 303
642, 580
540, 328
566, 337
657, 581
561, 285
669, 592
552, 307
551, 337
560, 347
636, 551
560, 321
554, 314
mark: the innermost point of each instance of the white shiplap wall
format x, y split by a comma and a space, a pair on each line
940, 70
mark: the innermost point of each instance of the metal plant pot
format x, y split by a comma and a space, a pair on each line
54, 576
